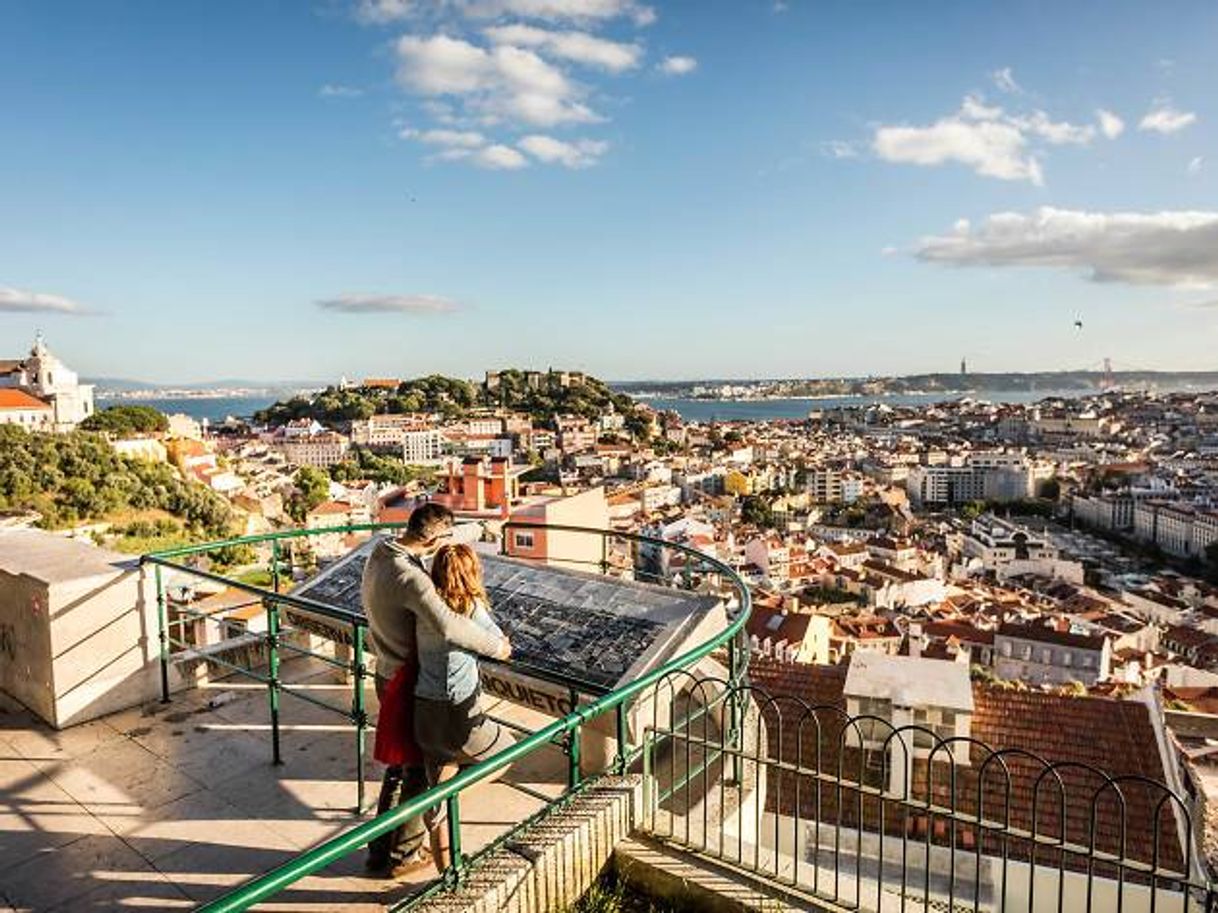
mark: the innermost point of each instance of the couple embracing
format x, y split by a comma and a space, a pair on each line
428, 628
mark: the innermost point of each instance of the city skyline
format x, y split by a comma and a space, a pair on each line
771, 189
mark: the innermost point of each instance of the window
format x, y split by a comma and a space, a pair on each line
1046, 656
1006, 648
523, 540
1067, 658
875, 706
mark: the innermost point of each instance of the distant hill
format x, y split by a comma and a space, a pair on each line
542, 398
1009, 382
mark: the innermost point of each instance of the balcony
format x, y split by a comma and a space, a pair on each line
249, 782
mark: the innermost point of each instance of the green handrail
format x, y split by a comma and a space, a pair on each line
328, 852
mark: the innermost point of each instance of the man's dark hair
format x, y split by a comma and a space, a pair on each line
429, 520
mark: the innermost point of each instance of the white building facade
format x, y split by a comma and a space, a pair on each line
44, 377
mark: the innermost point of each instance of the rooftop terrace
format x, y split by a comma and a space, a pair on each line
166, 806
1043, 806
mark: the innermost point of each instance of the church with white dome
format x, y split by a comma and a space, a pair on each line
43, 377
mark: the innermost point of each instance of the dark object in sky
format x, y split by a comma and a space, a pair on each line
1078, 324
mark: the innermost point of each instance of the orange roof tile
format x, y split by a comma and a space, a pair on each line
19, 399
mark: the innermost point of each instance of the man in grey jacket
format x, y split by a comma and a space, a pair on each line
396, 589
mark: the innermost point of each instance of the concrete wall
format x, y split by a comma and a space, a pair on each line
25, 643
78, 628
104, 645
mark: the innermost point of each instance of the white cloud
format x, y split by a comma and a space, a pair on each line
502, 83
839, 149
582, 153
1110, 125
463, 139
677, 65
985, 138
335, 90
1056, 132
15, 300
578, 47
486, 74
1004, 79
1163, 248
499, 158
440, 65
380, 12
1163, 118
1195, 165
560, 10
974, 137
388, 304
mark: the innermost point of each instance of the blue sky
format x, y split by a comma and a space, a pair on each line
642, 190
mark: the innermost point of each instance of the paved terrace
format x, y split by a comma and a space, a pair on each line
169, 805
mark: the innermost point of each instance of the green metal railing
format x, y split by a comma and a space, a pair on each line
275, 641
563, 732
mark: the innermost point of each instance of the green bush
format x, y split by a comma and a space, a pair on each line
124, 421
70, 478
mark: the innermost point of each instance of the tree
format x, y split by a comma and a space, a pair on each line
972, 510
79, 476
639, 425
124, 421
1211, 562
756, 510
1050, 489
312, 488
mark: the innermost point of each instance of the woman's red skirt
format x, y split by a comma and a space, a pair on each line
395, 744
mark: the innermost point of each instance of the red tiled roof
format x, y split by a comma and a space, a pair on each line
19, 399
959, 630
1088, 734
792, 627
1044, 634
330, 508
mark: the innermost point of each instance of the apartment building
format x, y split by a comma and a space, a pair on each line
322, 449
787, 636
997, 476
385, 432
1111, 513
1179, 529
424, 446
1041, 654
830, 486
560, 548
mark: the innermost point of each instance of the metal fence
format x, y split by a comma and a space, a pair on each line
276, 642
856, 814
